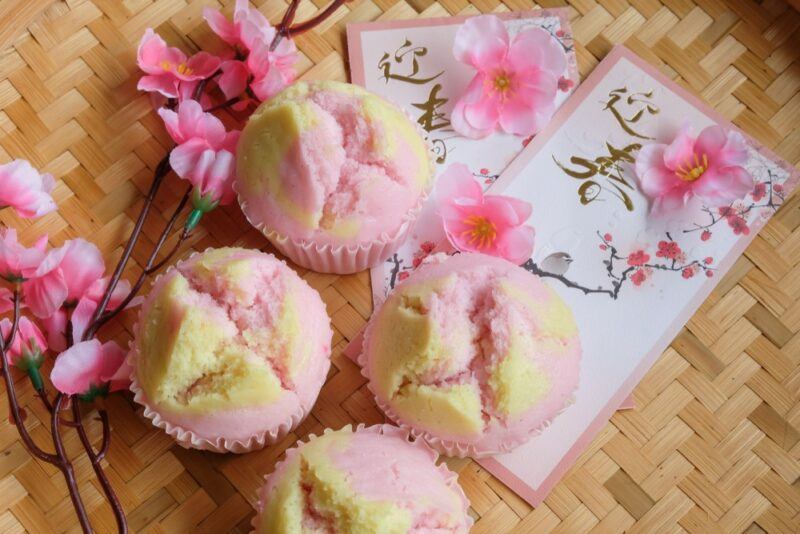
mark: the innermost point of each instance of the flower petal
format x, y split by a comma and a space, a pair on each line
457, 116
516, 244
82, 265
720, 187
233, 80
457, 184
78, 368
681, 149
723, 148
482, 42
220, 25
45, 294
165, 84
536, 48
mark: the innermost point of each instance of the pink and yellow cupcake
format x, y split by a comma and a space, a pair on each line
231, 350
472, 353
333, 175
363, 482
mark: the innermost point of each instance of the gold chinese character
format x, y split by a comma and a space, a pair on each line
406, 51
432, 118
638, 102
608, 167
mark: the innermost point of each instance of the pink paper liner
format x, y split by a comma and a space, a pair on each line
347, 259
450, 477
447, 447
185, 437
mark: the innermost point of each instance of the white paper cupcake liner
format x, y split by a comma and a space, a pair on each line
447, 447
183, 436
347, 259
450, 477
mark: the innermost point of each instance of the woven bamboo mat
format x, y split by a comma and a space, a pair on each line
714, 444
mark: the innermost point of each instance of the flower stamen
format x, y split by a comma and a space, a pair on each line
482, 232
692, 168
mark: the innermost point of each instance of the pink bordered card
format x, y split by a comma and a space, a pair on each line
411, 63
632, 279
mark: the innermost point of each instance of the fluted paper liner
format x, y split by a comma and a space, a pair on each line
185, 437
451, 478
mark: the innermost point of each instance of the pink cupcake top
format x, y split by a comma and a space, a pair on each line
330, 163
474, 353
363, 482
230, 344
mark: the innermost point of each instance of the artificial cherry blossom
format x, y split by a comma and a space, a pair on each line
709, 166
517, 79
491, 224
205, 152
166, 67
26, 190
89, 368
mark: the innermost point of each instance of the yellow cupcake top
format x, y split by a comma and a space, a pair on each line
472, 344
223, 330
319, 159
362, 482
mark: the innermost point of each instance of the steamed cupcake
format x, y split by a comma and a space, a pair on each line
332, 174
369, 481
473, 353
231, 350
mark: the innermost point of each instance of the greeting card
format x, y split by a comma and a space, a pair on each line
633, 277
411, 63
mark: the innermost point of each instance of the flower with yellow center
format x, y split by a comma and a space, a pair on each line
481, 232
693, 168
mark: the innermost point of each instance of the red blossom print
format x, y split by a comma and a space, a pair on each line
705, 236
427, 246
603, 246
417, 261
759, 191
668, 249
739, 225
484, 171
638, 258
778, 188
559, 33
709, 260
607, 237
402, 276
687, 273
527, 140
565, 84
709, 274
638, 277
727, 211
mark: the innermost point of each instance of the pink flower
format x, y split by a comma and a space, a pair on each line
205, 152
739, 225
608, 237
16, 261
91, 299
46, 290
668, 249
247, 29
55, 326
475, 222
603, 246
638, 258
82, 266
705, 236
6, 300
709, 166
89, 368
272, 69
25, 190
29, 342
708, 260
516, 83
638, 277
687, 273
565, 84
759, 191
166, 67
